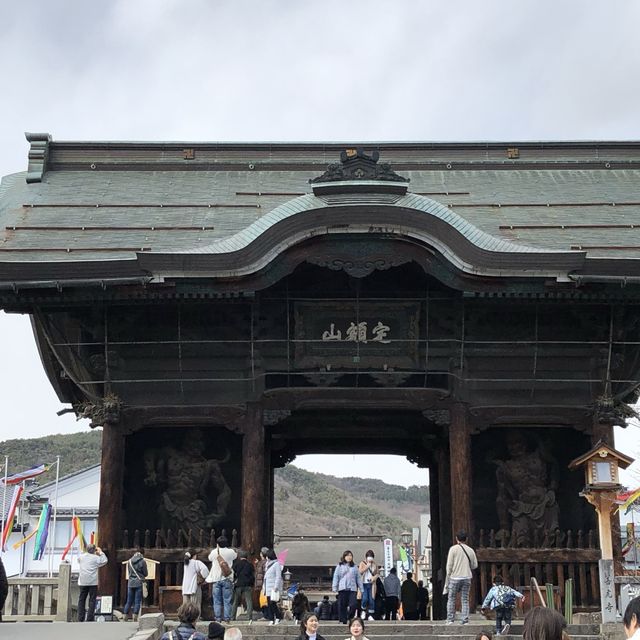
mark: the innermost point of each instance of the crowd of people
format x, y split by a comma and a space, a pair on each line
365, 591
360, 590
540, 623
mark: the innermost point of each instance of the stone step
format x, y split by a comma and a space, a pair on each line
406, 630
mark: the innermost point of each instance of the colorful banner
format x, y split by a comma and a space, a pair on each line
17, 478
282, 557
18, 544
627, 499
8, 523
76, 528
42, 532
404, 558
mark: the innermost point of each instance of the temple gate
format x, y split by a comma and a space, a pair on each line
219, 309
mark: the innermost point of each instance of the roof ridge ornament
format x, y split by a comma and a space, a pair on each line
38, 155
359, 172
355, 164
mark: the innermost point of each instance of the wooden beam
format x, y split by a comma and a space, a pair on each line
533, 556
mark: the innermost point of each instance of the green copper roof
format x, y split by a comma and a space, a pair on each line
111, 202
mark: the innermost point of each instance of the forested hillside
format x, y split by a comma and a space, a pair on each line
76, 451
305, 503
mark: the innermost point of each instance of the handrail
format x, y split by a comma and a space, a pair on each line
534, 582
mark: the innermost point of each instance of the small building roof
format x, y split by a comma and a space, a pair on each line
602, 450
318, 551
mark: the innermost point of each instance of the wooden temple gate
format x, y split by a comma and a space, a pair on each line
216, 330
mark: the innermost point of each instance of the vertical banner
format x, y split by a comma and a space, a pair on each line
8, 522
607, 591
387, 545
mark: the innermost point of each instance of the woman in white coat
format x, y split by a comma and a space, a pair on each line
191, 590
272, 586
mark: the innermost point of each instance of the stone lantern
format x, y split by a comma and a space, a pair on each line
602, 483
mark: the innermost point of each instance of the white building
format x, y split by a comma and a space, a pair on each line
78, 494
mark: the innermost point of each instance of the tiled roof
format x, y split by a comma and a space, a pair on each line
112, 204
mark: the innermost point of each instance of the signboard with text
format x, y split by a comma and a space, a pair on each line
387, 545
356, 335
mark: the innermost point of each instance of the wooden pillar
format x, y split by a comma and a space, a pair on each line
604, 503
436, 546
254, 503
110, 509
603, 431
268, 492
460, 463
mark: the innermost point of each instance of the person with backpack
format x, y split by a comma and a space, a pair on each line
461, 562
502, 599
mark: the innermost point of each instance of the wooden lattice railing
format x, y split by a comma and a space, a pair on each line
167, 547
558, 556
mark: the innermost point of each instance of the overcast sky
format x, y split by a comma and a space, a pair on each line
291, 70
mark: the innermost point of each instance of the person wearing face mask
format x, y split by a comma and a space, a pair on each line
368, 570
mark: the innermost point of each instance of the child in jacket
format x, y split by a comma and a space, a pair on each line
502, 599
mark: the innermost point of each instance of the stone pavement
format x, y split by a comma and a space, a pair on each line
67, 630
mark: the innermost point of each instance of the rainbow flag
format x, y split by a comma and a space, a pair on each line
42, 532
17, 478
76, 527
8, 523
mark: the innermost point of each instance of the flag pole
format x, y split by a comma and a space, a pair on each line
4, 497
23, 499
52, 542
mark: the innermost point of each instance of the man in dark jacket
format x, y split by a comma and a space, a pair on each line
323, 610
4, 588
423, 600
409, 598
243, 586
392, 591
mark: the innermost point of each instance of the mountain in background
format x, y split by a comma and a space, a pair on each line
305, 503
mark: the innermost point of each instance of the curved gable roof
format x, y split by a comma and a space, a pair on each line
411, 216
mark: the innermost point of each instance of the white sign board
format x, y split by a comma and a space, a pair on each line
387, 545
